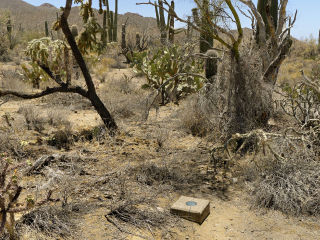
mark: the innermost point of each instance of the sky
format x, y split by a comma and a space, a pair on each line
308, 18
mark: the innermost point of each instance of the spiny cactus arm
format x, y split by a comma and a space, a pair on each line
4, 170
30, 204
115, 23
3, 215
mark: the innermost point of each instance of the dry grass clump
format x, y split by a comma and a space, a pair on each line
56, 117
72, 100
102, 68
11, 79
32, 116
172, 174
198, 116
122, 99
10, 143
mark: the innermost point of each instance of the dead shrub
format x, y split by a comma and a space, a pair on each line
162, 135
152, 173
49, 220
288, 181
10, 143
197, 116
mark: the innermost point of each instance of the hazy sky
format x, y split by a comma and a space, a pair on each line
308, 20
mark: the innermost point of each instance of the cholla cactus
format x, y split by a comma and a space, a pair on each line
9, 195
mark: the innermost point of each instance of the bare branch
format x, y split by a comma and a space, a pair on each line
48, 91
282, 17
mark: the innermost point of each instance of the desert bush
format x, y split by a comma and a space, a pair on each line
62, 138
10, 203
11, 143
32, 117
102, 68
125, 84
280, 170
34, 74
291, 186
162, 135
171, 70
50, 221
301, 102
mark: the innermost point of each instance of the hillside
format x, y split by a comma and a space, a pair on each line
32, 18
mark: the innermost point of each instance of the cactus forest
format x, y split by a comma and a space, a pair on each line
111, 118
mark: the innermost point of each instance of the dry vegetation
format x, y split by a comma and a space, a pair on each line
117, 187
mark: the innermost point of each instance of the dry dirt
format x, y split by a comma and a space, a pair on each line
107, 166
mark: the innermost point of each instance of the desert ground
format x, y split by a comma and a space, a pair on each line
133, 177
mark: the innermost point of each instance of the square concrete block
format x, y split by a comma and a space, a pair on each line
193, 209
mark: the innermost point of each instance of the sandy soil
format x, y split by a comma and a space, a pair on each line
231, 216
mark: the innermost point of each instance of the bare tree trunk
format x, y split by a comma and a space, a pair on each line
92, 95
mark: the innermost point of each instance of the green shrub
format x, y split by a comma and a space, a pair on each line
172, 70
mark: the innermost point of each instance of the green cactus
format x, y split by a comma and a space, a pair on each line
171, 22
206, 40
9, 26
115, 23
74, 31
46, 28
319, 43
261, 7
123, 37
104, 32
161, 23
110, 23
211, 64
111, 27
138, 40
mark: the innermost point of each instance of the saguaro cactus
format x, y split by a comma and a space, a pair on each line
115, 23
211, 64
74, 31
110, 18
163, 27
261, 7
162, 23
104, 32
319, 43
9, 30
46, 28
206, 40
123, 37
